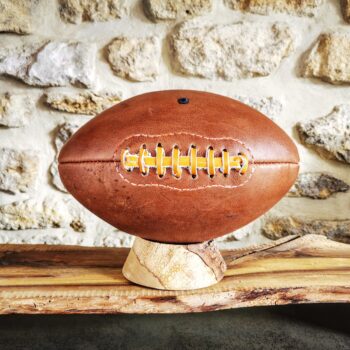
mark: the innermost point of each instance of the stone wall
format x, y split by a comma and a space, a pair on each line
64, 61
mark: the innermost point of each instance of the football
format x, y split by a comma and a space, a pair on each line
179, 166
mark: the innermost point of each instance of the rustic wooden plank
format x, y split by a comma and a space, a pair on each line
61, 279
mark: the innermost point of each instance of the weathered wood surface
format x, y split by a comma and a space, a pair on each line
61, 279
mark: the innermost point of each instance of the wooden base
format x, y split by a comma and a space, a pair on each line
42, 279
174, 266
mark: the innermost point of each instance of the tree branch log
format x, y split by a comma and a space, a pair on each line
60, 279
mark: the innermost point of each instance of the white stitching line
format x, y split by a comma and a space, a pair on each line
187, 189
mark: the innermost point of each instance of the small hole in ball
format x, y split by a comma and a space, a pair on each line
183, 100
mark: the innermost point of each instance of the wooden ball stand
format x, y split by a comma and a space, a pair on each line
174, 266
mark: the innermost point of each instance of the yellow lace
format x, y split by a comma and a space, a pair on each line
176, 162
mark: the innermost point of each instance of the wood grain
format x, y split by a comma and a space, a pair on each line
174, 266
66, 279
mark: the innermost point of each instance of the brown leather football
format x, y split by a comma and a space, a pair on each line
179, 166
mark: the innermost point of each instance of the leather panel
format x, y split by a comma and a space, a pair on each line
174, 216
206, 114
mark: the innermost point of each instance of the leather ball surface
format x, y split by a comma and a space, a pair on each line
179, 166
